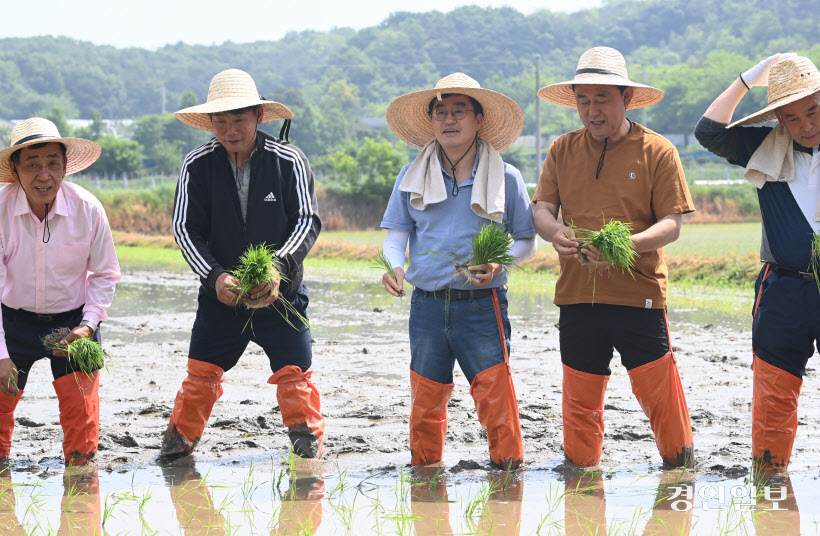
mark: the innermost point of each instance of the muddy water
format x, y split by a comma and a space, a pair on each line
240, 483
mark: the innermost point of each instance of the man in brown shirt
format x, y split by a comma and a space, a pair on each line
614, 169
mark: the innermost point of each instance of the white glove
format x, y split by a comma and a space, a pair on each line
759, 74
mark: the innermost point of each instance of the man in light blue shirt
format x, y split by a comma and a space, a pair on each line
457, 185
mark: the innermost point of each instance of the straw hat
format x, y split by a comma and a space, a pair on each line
789, 80
601, 66
231, 90
408, 118
79, 153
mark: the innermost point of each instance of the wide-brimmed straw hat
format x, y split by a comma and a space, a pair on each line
789, 80
232, 90
601, 66
408, 115
79, 153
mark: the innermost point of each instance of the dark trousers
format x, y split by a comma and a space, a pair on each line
589, 333
24, 340
221, 334
786, 327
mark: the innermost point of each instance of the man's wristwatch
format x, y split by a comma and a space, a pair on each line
90, 324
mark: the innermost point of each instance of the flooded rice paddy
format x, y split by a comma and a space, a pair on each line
242, 480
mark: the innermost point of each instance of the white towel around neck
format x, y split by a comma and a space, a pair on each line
425, 181
773, 161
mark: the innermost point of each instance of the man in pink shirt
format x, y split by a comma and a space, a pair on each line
59, 270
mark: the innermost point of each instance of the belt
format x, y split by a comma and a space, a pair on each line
456, 295
805, 276
42, 318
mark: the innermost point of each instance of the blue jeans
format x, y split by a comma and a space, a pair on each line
443, 332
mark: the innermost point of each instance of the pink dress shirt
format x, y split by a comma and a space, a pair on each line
77, 266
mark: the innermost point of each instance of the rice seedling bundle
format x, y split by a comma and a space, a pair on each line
614, 240
84, 354
257, 266
383, 264
815, 258
490, 245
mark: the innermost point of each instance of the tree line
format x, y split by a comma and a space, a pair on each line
333, 81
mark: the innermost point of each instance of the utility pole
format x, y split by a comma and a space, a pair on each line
163, 96
537, 113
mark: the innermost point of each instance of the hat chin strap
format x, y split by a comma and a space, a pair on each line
46, 228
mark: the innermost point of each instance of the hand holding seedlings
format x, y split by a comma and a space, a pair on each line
227, 289
79, 332
8, 377
484, 273
393, 278
394, 284
564, 243
595, 257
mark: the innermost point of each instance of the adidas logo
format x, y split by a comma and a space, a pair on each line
270, 197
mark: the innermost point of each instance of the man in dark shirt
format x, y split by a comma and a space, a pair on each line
245, 187
784, 163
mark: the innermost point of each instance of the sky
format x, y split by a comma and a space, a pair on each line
154, 23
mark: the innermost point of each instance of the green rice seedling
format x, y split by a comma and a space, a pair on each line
383, 264
84, 354
257, 265
814, 266
614, 240
108, 509
490, 245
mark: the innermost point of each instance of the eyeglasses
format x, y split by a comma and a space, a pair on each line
440, 114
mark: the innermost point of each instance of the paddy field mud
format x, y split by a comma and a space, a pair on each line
361, 368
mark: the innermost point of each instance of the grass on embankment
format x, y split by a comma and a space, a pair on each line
705, 254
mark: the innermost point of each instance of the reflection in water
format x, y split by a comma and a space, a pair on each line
672, 513
494, 509
429, 502
585, 506
80, 506
776, 512
9, 524
301, 508
192, 500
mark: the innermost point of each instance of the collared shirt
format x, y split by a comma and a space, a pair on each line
78, 264
448, 227
243, 182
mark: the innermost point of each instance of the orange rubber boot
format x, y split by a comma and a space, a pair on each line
774, 415
497, 408
658, 389
79, 399
7, 406
428, 419
192, 409
583, 415
300, 406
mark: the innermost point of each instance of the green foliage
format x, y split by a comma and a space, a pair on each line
118, 157
256, 266
84, 355
490, 245
614, 240
366, 171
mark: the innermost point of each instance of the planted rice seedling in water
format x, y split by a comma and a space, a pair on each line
256, 267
